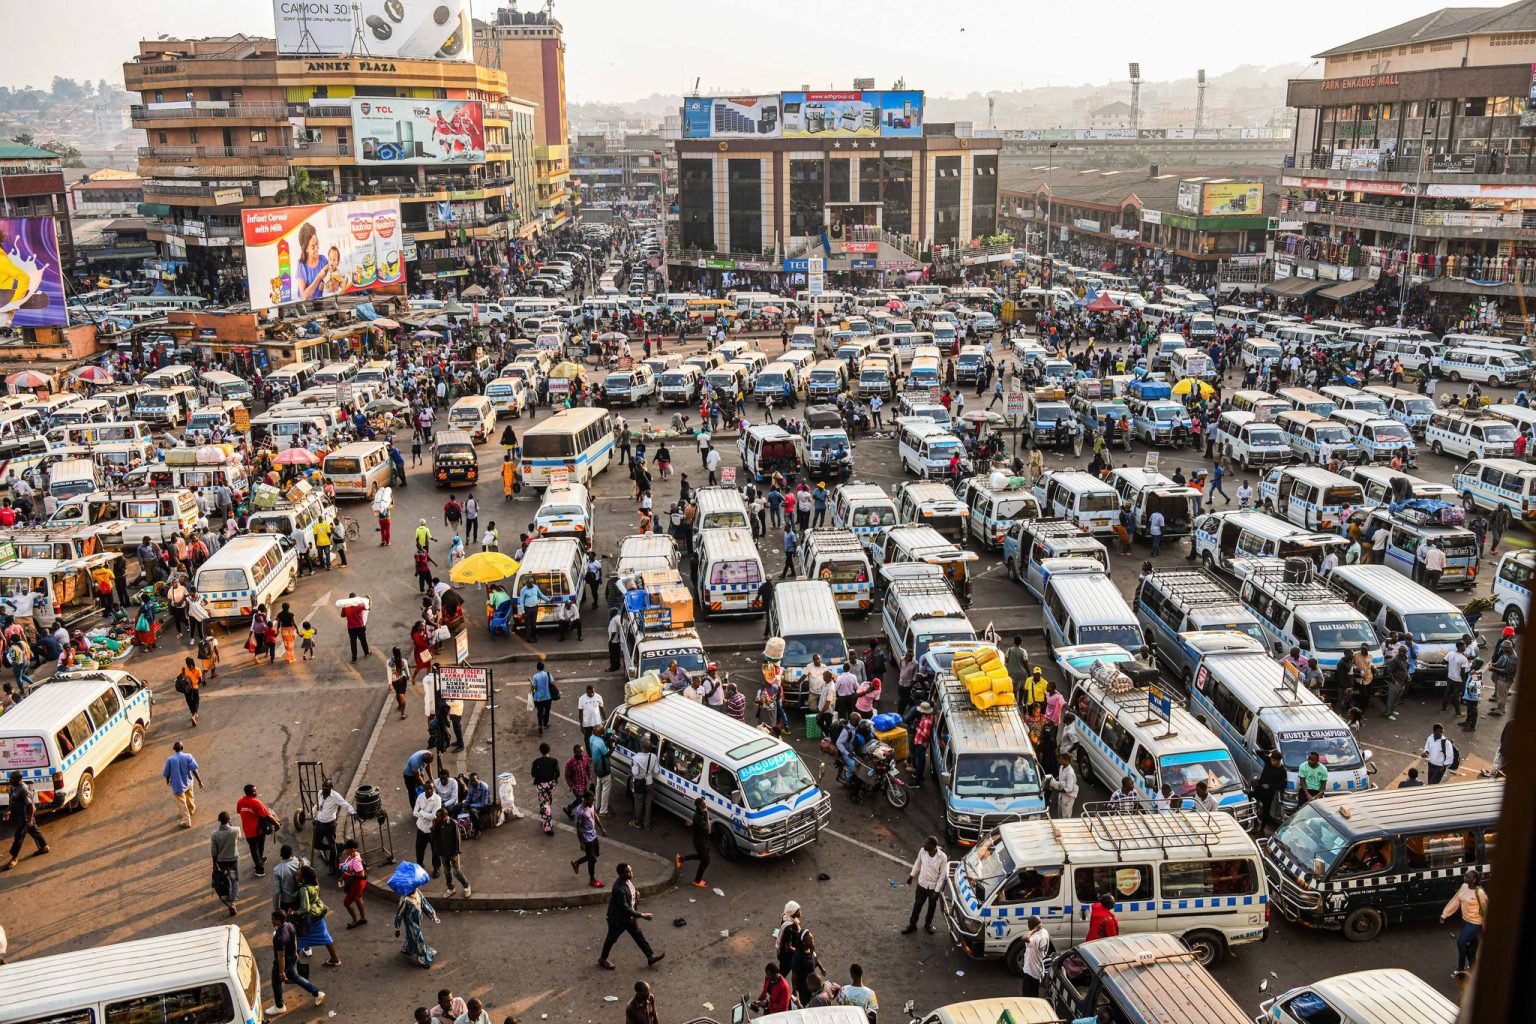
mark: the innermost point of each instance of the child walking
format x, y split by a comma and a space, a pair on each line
307, 641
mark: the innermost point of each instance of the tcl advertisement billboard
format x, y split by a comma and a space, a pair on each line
435, 30
392, 131
303, 253
31, 284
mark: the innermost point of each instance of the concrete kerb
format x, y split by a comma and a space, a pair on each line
496, 900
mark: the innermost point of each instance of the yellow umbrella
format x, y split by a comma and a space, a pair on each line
484, 567
1189, 384
568, 370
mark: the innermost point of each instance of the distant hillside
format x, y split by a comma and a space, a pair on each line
1247, 96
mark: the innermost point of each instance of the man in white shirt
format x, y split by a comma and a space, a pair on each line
1064, 786
1037, 946
1204, 800
424, 811
329, 808
1457, 665
642, 773
1379, 545
694, 691
928, 872
1125, 799
1330, 562
589, 707
1244, 495
1440, 752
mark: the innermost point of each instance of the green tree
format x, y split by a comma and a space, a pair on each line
67, 90
24, 139
303, 190
69, 156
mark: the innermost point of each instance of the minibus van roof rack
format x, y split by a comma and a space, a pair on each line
1116, 831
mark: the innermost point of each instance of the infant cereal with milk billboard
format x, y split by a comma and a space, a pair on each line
302, 253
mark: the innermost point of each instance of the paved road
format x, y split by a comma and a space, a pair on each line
124, 869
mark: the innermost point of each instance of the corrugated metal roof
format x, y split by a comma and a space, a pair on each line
1446, 23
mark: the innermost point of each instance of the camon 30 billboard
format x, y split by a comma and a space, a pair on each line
303, 253
407, 131
426, 29
31, 284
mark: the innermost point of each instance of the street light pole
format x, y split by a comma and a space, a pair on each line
1413, 223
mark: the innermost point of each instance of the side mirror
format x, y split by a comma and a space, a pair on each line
1150, 781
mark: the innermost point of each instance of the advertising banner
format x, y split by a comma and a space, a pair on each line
31, 282
439, 30
731, 117
1189, 197
405, 131
851, 115
302, 253
1232, 199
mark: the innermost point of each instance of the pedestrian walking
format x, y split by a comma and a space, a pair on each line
354, 880
624, 915
285, 965
180, 772
310, 918
446, 850
928, 871
545, 774
21, 814
642, 775
354, 610
225, 851
189, 682
1037, 949
699, 832
288, 630
542, 688
1471, 903
588, 824
1063, 787
471, 518
408, 916
256, 822
424, 814
1440, 753
578, 776
397, 675
642, 1008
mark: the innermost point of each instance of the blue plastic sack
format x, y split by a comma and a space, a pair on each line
408, 877
886, 721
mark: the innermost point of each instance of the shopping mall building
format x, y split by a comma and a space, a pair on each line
1418, 138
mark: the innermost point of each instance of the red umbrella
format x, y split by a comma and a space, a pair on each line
895, 304
1102, 304
771, 310
27, 380
94, 375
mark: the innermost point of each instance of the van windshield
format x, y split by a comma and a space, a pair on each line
1347, 635
775, 778
1335, 747
1389, 432
988, 866
1433, 627
736, 572
1310, 837
1105, 502
1215, 768
880, 516
1126, 636
996, 775
799, 649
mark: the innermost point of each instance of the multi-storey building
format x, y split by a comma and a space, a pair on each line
612, 165
32, 185
1416, 146
530, 49
230, 122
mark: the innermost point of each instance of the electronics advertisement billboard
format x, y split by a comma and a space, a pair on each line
1189, 198
1232, 199
395, 132
425, 29
31, 283
852, 115
731, 117
303, 253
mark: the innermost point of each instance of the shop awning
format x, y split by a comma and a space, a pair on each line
1344, 289
1294, 287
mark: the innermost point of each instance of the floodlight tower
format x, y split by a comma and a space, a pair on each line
1135, 94
1200, 99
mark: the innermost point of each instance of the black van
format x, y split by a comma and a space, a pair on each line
1354, 862
454, 459
1145, 978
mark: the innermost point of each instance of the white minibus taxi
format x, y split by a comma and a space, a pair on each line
359, 469
473, 414
246, 573
728, 572
557, 566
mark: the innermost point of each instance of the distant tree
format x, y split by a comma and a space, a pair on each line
24, 139
302, 190
103, 89
67, 90
69, 156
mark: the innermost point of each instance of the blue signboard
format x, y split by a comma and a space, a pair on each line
797, 266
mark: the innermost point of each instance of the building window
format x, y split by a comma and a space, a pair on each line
1415, 108
805, 198
838, 175
1386, 111
695, 202
163, 138
193, 138
258, 135
744, 180
869, 179
984, 196
897, 215
1474, 106
1512, 39
1369, 113
946, 200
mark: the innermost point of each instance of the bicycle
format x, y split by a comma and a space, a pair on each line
350, 527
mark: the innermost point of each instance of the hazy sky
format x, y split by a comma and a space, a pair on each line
619, 49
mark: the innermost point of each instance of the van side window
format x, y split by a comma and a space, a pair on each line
104, 707
205, 1004
72, 735
1089, 711
630, 736
1235, 876
1123, 882
1077, 975
681, 760
1366, 858
1030, 886
1118, 738
1439, 850
723, 781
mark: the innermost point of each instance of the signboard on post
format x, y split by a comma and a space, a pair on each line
1151, 464
460, 682
242, 417
344, 394
656, 618
1014, 404
728, 476
1159, 703
559, 476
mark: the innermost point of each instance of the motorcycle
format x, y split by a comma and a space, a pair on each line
874, 771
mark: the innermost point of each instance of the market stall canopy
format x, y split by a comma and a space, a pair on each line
1190, 384
1344, 289
385, 405
567, 371
28, 379
771, 311
454, 308
426, 335
94, 375
386, 323
296, 457
1103, 304
1294, 287
474, 291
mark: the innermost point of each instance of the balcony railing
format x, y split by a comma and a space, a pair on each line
316, 149
175, 153
208, 109
170, 189
1344, 163
194, 229
1327, 210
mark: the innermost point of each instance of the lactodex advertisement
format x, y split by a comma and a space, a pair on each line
31, 285
303, 253
409, 131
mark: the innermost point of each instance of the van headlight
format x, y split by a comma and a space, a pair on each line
964, 819
761, 831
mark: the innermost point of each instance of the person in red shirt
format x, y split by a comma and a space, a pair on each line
7, 513
1102, 921
774, 998
253, 816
